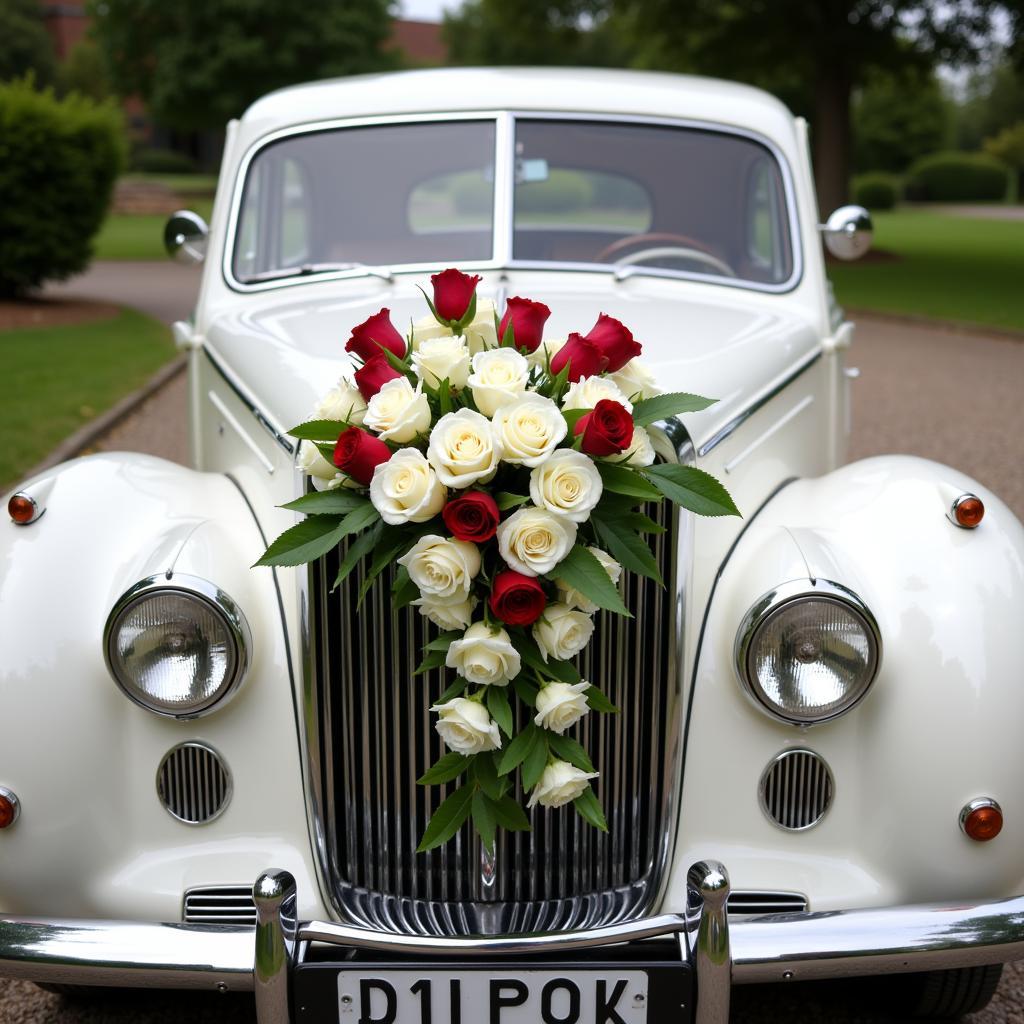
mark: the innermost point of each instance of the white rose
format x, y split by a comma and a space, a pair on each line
427, 328
562, 632
344, 402
543, 354
561, 705
312, 462
405, 489
398, 412
499, 378
568, 484
560, 784
441, 358
640, 451
480, 333
533, 541
529, 429
484, 656
448, 613
635, 380
465, 726
463, 449
588, 391
441, 567
574, 599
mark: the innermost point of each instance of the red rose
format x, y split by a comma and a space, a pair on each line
373, 375
527, 319
472, 516
378, 330
453, 294
608, 430
614, 341
583, 356
358, 453
516, 599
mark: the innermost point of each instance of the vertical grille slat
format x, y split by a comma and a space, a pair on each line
796, 789
193, 783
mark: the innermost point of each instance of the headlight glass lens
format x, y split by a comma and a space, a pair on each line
173, 652
811, 659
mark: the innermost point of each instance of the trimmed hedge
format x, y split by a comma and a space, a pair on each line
59, 160
957, 177
163, 161
876, 190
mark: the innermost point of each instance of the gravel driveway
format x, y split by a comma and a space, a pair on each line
946, 395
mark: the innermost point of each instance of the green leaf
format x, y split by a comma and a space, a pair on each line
484, 820
444, 397
583, 572
511, 815
455, 690
563, 671
336, 502
307, 541
692, 488
498, 705
641, 523
485, 772
518, 750
433, 659
403, 590
526, 690
599, 702
569, 750
573, 416
650, 410
536, 761
506, 500
444, 769
623, 480
626, 548
357, 551
589, 808
383, 555
397, 364
319, 430
444, 641
447, 819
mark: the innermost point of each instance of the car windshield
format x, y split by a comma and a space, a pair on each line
591, 194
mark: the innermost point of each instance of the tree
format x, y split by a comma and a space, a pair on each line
1008, 146
26, 44
994, 101
198, 64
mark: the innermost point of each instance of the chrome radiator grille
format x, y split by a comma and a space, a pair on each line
373, 737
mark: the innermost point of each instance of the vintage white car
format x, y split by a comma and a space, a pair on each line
207, 770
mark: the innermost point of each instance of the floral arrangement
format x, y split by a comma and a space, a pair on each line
503, 473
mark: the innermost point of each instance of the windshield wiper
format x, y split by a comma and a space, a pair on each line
308, 269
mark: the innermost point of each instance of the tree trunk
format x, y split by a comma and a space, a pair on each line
830, 136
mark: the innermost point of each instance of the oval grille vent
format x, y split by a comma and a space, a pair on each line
193, 783
796, 789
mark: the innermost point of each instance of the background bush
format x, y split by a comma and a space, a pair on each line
163, 161
561, 192
58, 163
876, 190
957, 177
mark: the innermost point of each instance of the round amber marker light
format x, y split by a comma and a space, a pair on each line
984, 823
8, 812
969, 512
21, 508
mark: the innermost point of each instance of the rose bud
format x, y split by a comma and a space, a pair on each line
607, 430
472, 516
614, 341
358, 453
373, 375
584, 358
453, 294
516, 599
526, 318
371, 334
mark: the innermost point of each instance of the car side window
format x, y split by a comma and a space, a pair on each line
765, 209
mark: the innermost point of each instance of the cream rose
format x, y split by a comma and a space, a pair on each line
634, 380
463, 449
441, 567
448, 613
405, 489
560, 784
561, 705
312, 462
529, 430
543, 354
465, 726
533, 541
426, 328
484, 656
562, 632
574, 599
343, 402
567, 484
480, 333
499, 377
640, 451
588, 391
442, 358
398, 412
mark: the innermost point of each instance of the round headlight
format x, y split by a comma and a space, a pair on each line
177, 646
808, 651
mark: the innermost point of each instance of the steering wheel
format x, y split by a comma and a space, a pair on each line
687, 248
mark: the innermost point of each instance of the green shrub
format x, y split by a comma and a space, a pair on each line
560, 192
876, 190
957, 177
58, 163
163, 161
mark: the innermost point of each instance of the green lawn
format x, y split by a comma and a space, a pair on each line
59, 378
952, 268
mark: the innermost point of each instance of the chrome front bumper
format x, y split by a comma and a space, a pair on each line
780, 947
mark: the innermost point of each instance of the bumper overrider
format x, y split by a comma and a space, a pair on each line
712, 953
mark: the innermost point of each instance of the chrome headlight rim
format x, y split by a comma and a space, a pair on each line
220, 603
792, 592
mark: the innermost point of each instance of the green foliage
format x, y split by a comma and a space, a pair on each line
876, 190
1008, 145
84, 71
957, 177
994, 101
162, 161
561, 192
26, 46
58, 163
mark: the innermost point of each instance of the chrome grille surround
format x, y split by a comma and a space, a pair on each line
193, 783
368, 735
796, 789
219, 904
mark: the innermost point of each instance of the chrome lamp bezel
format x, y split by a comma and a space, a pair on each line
219, 602
771, 603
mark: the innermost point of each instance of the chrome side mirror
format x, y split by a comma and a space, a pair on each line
185, 237
848, 232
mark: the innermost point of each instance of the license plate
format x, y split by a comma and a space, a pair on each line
492, 997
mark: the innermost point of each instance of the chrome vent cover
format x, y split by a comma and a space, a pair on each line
219, 904
796, 789
193, 783
745, 903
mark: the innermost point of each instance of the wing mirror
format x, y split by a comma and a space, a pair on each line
185, 237
848, 232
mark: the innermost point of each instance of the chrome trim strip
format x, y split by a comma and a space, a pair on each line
219, 405
804, 403
504, 188
737, 421
708, 883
